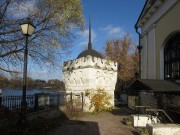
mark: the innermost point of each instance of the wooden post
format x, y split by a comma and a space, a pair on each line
58, 98
0, 97
71, 99
82, 95
36, 101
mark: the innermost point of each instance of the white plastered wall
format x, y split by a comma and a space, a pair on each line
144, 58
90, 73
151, 55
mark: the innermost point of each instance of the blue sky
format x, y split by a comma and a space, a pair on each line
110, 19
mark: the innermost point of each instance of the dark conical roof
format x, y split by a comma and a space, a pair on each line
90, 51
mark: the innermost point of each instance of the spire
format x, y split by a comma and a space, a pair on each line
89, 44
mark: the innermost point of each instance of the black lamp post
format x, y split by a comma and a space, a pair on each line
27, 30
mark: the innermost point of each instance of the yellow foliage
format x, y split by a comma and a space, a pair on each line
122, 52
99, 100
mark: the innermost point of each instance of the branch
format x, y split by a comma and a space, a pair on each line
11, 52
9, 32
3, 13
10, 41
10, 71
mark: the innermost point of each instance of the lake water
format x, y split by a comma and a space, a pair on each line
28, 92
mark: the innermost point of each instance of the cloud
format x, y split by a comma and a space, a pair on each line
84, 37
113, 31
23, 9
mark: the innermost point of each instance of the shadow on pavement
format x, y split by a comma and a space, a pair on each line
123, 110
135, 132
119, 112
75, 127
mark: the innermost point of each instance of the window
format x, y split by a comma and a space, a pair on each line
172, 58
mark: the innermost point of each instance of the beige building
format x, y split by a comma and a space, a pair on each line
158, 27
159, 23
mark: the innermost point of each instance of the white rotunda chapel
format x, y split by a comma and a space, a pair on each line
90, 71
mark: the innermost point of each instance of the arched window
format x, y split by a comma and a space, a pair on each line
172, 58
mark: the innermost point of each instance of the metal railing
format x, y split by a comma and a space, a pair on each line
34, 102
145, 109
41, 101
156, 111
12, 101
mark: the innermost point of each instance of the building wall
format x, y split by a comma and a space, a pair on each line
155, 33
148, 99
151, 55
90, 73
165, 27
144, 63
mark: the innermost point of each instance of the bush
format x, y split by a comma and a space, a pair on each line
144, 131
128, 121
99, 100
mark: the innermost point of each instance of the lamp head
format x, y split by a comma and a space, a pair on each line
27, 27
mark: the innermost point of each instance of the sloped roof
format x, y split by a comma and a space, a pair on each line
162, 85
154, 86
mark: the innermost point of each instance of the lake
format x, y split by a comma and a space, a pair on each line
28, 92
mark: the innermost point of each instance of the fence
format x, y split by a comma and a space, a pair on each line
76, 99
41, 101
34, 102
15, 101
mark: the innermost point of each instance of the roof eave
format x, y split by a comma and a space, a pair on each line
137, 23
144, 16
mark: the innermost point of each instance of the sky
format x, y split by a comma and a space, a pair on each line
110, 19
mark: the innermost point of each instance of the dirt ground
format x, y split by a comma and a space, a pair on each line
106, 123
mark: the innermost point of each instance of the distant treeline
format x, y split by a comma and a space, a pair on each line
17, 82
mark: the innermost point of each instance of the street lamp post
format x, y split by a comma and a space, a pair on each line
27, 30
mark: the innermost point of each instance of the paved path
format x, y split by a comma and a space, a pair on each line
107, 123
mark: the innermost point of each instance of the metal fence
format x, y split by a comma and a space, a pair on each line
34, 102
12, 101
41, 101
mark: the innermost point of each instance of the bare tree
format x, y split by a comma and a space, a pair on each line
56, 22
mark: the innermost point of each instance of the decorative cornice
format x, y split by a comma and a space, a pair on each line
149, 29
145, 16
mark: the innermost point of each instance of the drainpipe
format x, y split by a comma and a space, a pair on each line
139, 47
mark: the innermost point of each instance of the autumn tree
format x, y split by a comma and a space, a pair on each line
56, 22
122, 51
